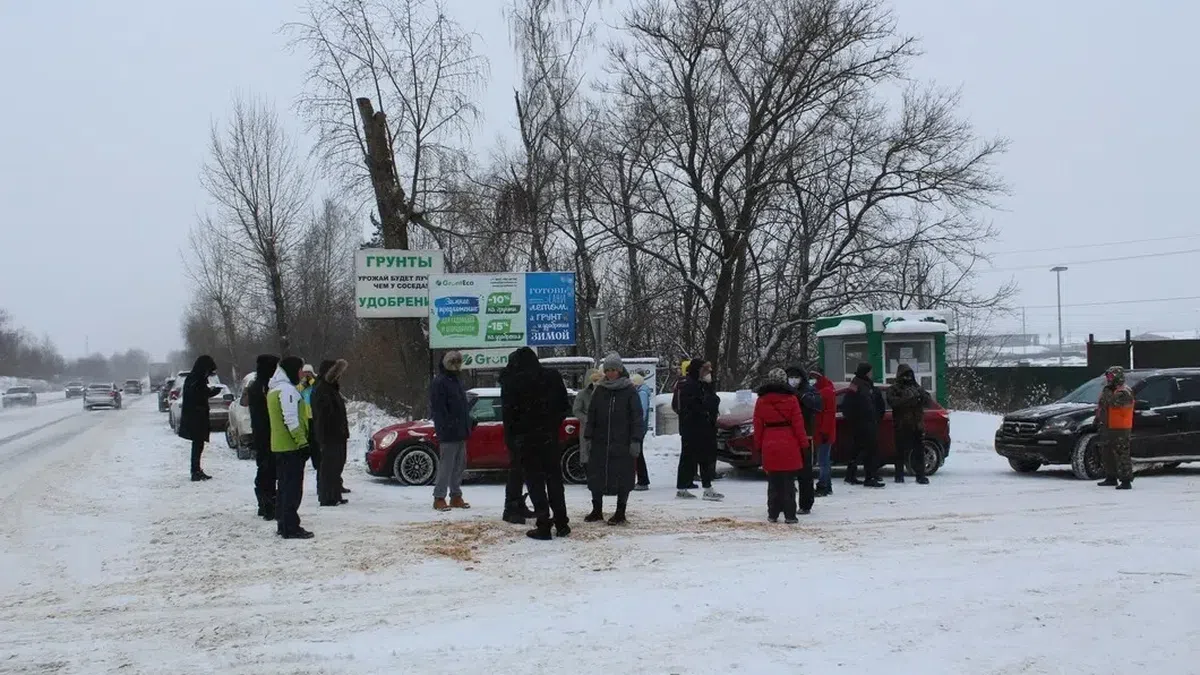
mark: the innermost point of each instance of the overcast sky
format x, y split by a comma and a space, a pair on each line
107, 105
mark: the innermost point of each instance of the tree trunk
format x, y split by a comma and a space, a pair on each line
737, 302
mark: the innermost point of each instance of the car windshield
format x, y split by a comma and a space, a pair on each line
100, 387
133, 381
1089, 392
74, 384
18, 390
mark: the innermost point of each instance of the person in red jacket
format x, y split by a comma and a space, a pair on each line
781, 439
825, 434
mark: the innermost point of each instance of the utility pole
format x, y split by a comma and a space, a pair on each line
1024, 331
1058, 270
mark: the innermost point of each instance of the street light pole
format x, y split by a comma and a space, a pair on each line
1058, 270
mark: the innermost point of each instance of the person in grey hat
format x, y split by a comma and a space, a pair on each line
615, 429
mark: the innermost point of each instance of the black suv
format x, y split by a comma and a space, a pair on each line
1166, 425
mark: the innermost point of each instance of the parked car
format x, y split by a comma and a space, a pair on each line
133, 387
1166, 425
19, 395
239, 434
75, 389
218, 407
735, 437
164, 394
172, 392
102, 395
408, 452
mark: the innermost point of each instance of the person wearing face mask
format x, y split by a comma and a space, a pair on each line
194, 424
615, 428
810, 406
908, 400
451, 412
863, 407
699, 407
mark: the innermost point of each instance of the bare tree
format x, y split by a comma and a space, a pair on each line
422, 70
323, 294
261, 190
218, 280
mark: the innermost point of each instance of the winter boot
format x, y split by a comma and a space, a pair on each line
873, 483
440, 504
684, 494
712, 495
197, 477
791, 521
773, 519
597, 513
852, 476
541, 532
823, 491
641, 488
922, 480
618, 518
562, 530
1125, 485
513, 517
269, 510
300, 533
899, 478
1108, 482
458, 503
345, 490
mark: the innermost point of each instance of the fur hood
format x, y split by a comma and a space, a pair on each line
331, 371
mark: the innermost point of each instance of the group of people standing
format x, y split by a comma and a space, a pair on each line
297, 414
797, 411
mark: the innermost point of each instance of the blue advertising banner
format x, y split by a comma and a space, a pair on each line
550, 309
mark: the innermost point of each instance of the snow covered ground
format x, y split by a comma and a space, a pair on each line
112, 561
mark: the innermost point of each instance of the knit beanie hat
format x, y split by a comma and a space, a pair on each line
777, 376
613, 362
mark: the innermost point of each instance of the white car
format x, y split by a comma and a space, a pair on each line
239, 434
98, 395
218, 406
19, 396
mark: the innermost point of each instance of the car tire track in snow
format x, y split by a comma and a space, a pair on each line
22, 434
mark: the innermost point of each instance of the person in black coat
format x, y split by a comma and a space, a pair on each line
194, 424
331, 429
516, 511
699, 407
534, 404
615, 429
863, 408
260, 426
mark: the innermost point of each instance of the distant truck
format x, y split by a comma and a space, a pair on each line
159, 372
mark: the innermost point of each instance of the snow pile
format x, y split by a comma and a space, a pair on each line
365, 419
39, 386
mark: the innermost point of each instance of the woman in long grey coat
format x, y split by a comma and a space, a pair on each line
615, 428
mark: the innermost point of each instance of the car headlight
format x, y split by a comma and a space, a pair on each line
1060, 424
745, 430
388, 439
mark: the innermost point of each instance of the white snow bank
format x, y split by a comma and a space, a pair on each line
365, 419
39, 386
915, 327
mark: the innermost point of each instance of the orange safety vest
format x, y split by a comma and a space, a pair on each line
1120, 418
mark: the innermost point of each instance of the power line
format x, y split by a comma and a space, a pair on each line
1099, 245
1124, 258
1114, 302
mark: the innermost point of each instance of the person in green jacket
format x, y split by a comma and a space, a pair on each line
289, 441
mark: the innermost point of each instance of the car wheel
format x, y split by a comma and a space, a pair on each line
1085, 458
572, 468
1024, 465
933, 457
415, 465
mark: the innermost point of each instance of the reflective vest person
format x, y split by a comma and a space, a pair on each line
1114, 422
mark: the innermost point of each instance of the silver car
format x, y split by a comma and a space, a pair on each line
19, 396
218, 406
102, 396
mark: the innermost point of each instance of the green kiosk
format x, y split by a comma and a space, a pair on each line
885, 340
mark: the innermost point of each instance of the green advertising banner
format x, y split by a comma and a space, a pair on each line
477, 311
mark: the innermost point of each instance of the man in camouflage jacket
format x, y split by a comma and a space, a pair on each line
1114, 420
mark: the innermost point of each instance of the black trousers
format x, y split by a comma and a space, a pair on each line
542, 462
866, 453
910, 447
197, 450
781, 493
264, 477
290, 466
643, 473
808, 493
514, 488
329, 472
690, 458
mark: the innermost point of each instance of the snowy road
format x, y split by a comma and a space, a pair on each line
114, 562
